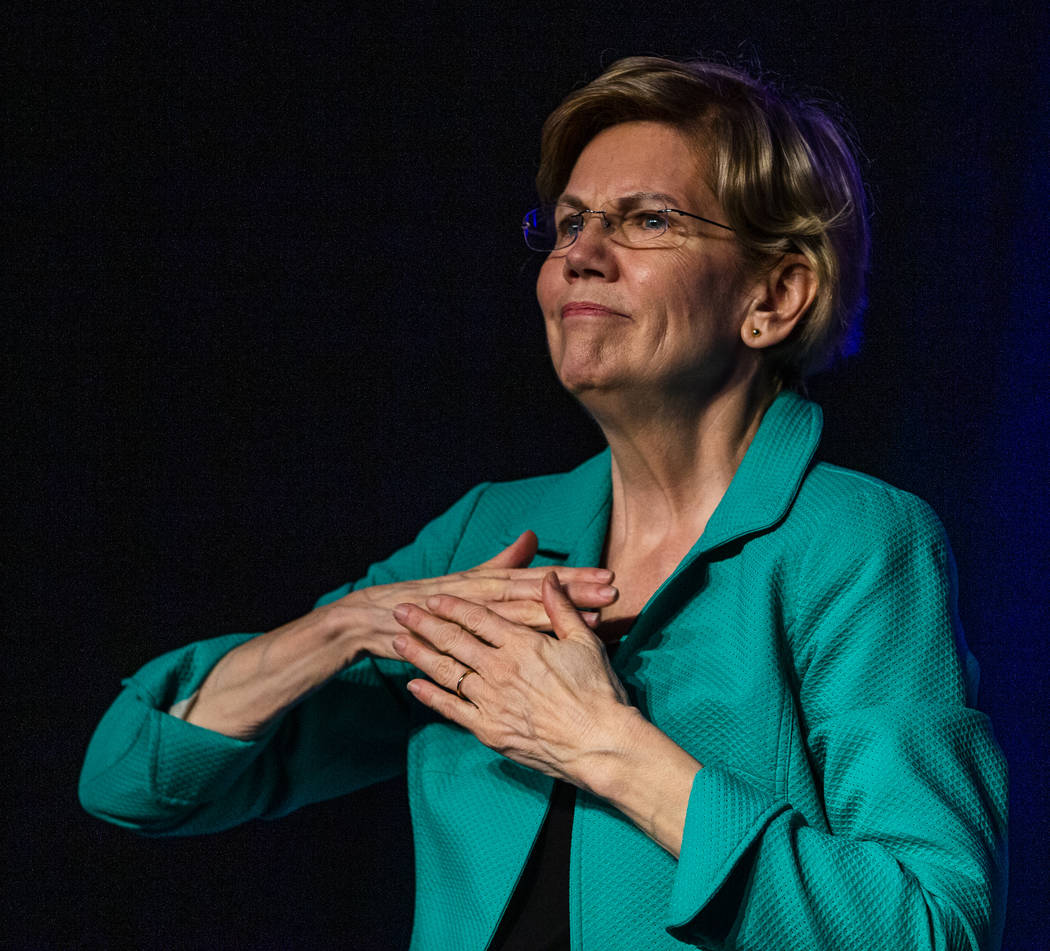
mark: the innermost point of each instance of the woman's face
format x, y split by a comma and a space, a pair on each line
653, 321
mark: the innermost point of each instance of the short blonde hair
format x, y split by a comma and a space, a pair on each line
783, 170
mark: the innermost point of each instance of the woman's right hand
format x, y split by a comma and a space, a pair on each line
257, 681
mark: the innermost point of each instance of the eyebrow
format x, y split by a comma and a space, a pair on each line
624, 201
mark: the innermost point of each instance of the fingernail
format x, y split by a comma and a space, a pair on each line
433, 601
590, 618
608, 591
400, 643
555, 583
401, 612
603, 574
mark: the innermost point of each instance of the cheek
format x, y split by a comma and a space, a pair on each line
715, 290
548, 284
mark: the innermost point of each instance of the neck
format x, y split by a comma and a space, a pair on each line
673, 459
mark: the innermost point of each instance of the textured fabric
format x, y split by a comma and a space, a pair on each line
807, 652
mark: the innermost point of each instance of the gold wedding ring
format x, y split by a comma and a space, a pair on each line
459, 683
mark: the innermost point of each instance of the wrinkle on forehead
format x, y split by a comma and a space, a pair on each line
627, 163
625, 202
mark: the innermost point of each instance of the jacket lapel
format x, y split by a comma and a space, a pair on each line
572, 518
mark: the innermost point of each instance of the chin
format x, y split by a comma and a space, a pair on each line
577, 376
590, 385
590, 367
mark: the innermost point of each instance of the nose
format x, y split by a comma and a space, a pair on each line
592, 253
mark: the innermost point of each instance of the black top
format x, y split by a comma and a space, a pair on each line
537, 917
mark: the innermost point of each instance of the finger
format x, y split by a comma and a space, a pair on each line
446, 672
517, 554
445, 702
443, 670
529, 612
442, 640
564, 617
532, 614
478, 619
583, 593
566, 573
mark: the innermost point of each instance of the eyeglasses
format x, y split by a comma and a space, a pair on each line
555, 227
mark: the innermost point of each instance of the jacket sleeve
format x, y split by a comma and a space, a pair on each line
912, 852
155, 773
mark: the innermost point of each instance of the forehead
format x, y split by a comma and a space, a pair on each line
635, 157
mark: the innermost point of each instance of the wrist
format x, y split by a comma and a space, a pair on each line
649, 778
362, 622
614, 758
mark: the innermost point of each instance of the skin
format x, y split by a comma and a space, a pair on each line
658, 345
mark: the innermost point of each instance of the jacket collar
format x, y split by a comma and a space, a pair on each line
572, 518
770, 474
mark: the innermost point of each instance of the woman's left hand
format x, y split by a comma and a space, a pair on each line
551, 703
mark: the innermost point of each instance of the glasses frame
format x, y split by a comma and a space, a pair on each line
580, 213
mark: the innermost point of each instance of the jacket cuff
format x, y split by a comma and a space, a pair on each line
190, 764
725, 817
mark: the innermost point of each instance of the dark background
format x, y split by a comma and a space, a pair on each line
269, 312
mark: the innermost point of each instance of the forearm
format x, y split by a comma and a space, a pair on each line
159, 775
644, 774
252, 686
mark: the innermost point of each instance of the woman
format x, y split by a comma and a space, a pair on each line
761, 736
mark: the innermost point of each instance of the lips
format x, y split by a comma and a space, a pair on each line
587, 308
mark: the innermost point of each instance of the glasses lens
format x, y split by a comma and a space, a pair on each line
540, 229
553, 227
645, 229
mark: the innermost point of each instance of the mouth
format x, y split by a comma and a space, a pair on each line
587, 308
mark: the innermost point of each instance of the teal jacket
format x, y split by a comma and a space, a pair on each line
807, 651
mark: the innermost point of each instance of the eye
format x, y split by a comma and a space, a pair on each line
567, 224
647, 221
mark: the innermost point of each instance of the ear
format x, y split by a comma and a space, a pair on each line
782, 296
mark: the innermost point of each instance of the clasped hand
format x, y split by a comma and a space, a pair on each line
260, 679
546, 702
